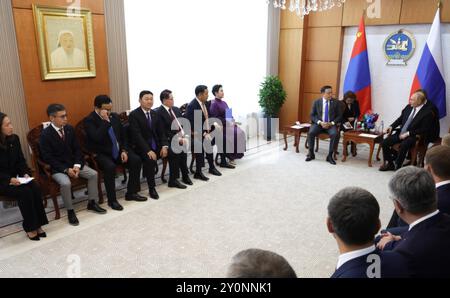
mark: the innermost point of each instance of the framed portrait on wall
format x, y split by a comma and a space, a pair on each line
65, 42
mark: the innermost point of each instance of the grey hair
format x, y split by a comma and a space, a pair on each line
257, 263
414, 189
446, 140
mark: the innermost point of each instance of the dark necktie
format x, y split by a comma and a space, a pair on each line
62, 135
115, 145
151, 141
171, 114
327, 112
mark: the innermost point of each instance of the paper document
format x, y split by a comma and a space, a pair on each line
23, 180
366, 135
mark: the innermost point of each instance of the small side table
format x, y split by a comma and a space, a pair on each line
297, 132
359, 137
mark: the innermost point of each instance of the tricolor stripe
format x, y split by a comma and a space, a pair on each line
357, 78
429, 75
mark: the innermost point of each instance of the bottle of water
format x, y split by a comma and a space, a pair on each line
382, 127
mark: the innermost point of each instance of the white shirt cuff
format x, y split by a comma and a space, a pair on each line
77, 166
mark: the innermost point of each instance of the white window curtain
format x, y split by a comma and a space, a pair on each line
180, 44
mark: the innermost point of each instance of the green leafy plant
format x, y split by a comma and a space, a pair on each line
271, 96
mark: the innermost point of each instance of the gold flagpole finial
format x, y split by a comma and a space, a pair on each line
439, 4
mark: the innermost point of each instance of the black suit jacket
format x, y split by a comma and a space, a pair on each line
58, 153
334, 110
189, 114
165, 123
426, 248
97, 134
443, 195
352, 112
421, 123
141, 135
12, 161
435, 129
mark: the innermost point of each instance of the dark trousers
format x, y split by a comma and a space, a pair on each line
29, 198
149, 167
389, 153
197, 144
177, 162
200, 161
316, 130
223, 151
108, 167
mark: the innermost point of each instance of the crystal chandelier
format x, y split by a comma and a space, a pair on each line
304, 7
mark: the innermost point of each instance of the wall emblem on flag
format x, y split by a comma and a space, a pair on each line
399, 47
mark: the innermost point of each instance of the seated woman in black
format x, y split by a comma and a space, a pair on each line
350, 115
13, 166
351, 111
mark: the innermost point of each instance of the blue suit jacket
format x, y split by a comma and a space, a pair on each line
443, 195
393, 265
426, 248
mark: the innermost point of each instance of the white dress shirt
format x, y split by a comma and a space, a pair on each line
442, 183
423, 219
324, 102
344, 258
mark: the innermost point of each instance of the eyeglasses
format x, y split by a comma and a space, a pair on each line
62, 116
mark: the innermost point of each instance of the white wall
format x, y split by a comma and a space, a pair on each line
391, 85
180, 44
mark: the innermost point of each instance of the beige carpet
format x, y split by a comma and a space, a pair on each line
274, 200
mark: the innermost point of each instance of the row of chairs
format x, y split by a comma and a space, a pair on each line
50, 188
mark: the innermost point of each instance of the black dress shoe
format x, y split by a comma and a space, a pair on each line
187, 180
331, 160
141, 197
153, 194
94, 207
227, 166
115, 206
73, 220
176, 184
310, 157
200, 176
387, 167
214, 172
35, 238
135, 197
42, 235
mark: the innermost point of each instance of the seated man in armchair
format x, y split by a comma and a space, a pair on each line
416, 120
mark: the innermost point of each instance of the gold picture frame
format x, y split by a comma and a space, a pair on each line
65, 42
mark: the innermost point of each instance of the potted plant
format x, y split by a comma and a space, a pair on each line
271, 98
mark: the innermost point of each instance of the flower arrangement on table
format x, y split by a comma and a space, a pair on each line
369, 120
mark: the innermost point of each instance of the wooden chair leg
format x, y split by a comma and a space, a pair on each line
163, 173
56, 206
378, 152
317, 144
414, 157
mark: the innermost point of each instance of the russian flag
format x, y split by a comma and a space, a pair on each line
430, 75
357, 78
